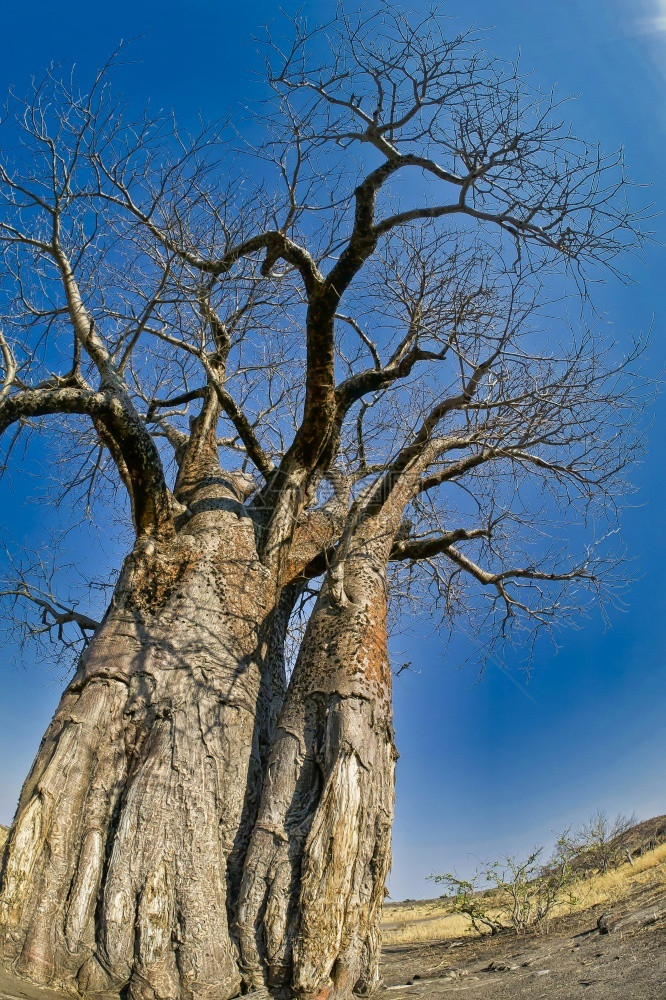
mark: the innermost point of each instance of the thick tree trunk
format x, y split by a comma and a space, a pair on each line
313, 885
136, 863
126, 848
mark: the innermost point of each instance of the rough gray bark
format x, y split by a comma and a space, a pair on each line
313, 885
121, 859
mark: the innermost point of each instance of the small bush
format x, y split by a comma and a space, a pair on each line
600, 844
514, 894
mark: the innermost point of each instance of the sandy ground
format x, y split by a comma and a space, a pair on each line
12, 988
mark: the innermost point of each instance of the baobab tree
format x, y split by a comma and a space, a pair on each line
326, 371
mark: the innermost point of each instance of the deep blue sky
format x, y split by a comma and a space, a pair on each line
487, 766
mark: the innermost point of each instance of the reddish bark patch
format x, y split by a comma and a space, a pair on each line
374, 644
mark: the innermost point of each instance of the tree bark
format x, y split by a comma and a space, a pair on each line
136, 864
124, 857
313, 884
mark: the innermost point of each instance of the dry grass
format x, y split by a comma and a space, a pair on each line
609, 888
432, 919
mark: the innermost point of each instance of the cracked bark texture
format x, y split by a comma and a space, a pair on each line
124, 856
313, 884
122, 870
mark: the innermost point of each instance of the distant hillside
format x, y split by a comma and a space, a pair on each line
3, 835
644, 836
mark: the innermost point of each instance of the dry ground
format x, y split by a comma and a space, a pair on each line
625, 965
427, 956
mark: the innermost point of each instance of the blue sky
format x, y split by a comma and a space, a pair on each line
492, 765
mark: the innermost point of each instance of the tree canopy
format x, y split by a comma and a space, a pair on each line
362, 274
